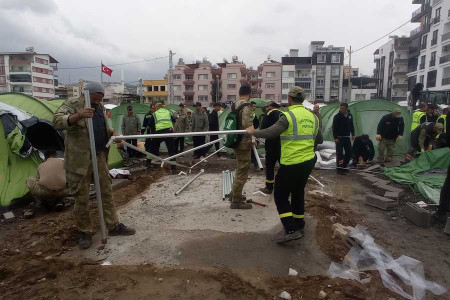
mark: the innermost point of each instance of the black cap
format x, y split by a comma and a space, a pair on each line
198, 104
129, 107
274, 104
181, 105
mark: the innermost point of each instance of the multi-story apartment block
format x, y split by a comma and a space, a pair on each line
354, 72
391, 70
320, 74
29, 73
156, 90
198, 82
429, 60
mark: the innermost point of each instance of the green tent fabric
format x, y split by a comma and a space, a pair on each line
117, 114
427, 185
367, 115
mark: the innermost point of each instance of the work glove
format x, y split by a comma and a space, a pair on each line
422, 150
378, 137
399, 138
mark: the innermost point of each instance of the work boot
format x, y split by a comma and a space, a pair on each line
239, 203
290, 236
85, 240
266, 191
122, 230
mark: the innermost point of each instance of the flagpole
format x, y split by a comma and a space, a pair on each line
101, 72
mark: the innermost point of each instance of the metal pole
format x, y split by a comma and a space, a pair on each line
208, 157
190, 181
101, 72
95, 169
180, 134
223, 186
350, 75
153, 156
193, 149
258, 160
316, 181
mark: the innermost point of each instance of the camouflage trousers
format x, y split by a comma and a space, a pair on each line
386, 149
243, 158
79, 186
43, 195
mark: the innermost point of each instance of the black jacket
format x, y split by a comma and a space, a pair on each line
432, 118
146, 124
256, 122
343, 125
365, 150
270, 119
390, 127
213, 119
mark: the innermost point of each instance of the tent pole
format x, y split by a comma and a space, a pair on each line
193, 149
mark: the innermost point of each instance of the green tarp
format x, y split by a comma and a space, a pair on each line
367, 115
428, 185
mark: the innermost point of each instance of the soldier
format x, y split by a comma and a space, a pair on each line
181, 125
422, 138
147, 129
71, 116
389, 131
131, 125
200, 123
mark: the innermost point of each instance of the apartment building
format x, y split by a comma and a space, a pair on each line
362, 88
348, 70
391, 69
320, 74
29, 73
156, 91
429, 59
203, 82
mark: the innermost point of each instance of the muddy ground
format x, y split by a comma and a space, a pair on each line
39, 258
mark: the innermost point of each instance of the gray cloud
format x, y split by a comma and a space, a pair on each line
43, 7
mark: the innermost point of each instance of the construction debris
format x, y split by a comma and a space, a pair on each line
380, 202
9, 216
418, 215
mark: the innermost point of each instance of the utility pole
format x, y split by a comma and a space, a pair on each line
170, 100
101, 72
141, 92
350, 76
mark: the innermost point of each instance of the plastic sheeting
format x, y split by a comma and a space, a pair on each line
372, 257
412, 173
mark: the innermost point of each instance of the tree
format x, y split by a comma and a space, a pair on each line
216, 90
415, 94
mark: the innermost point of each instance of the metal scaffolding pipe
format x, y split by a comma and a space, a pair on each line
316, 181
87, 100
189, 182
207, 157
258, 160
223, 187
180, 134
193, 149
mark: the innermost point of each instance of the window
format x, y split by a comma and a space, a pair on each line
270, 74
2, 80
231, 98
176, 88
202, 76
438, 15
335, 58
202, 87
270, 85
334, 95
424, 42
231, 75
284, 97
320, 71
176, 76
177, 98
231, 87
203, 98
156, 88
433, 59
431, 79
334, 84
304, 85
288, 74
335, 71
319, 95
270, 96
320, 83
162, 88
422, 79
288, 85
2, 70
435, 38
422, 62
321, 58
2, 60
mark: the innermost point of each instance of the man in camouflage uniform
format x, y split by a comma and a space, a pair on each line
243, 150
131, 125
181, 126
71, 117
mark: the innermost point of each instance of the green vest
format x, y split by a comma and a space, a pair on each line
297, 142
443, 117
417, 115
163, 119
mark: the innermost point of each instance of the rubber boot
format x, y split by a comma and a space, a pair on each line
239, 203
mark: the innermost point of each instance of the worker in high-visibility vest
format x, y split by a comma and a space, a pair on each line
442, 140
162, 121
297, 129
443, 118
419, 117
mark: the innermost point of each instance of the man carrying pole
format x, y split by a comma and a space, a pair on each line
72, 116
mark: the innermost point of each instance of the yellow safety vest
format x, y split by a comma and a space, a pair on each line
163, 119
297, 142
443, 117
417, 115
268, 113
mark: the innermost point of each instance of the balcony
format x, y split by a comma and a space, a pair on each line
420, 12
446, 81
436, 20
400, 73
414, 52
189, 82
188, 93
414, 32
432, 63
22, 89
433, 42
19, 70
400, 86
422, 66
188, 71
417, 1
401, 61
436, 2
444, 59
446, 37
20, 78
423, 46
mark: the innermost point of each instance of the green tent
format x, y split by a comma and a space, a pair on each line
366, 116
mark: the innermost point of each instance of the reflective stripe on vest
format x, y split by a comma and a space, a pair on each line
163, 119
273, 110
416, 119
443, 117
297, 142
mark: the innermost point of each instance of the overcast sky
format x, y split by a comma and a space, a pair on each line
82, 33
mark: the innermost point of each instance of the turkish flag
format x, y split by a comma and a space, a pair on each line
106, 70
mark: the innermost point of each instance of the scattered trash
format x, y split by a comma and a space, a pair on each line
33, 244
9, 216
38, 253
322, 295
284, 296
48, 258
182, 173
292, 272
259, 193
372, 257
421, 204
28, 213
106, 263
160, 279
115, 172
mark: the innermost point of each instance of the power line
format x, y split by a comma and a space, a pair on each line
113, 65
370, 44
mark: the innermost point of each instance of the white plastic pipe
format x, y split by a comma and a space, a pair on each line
316, 181
193, 149
87, 100
180, 134
208, 157
258, 160
190, 181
